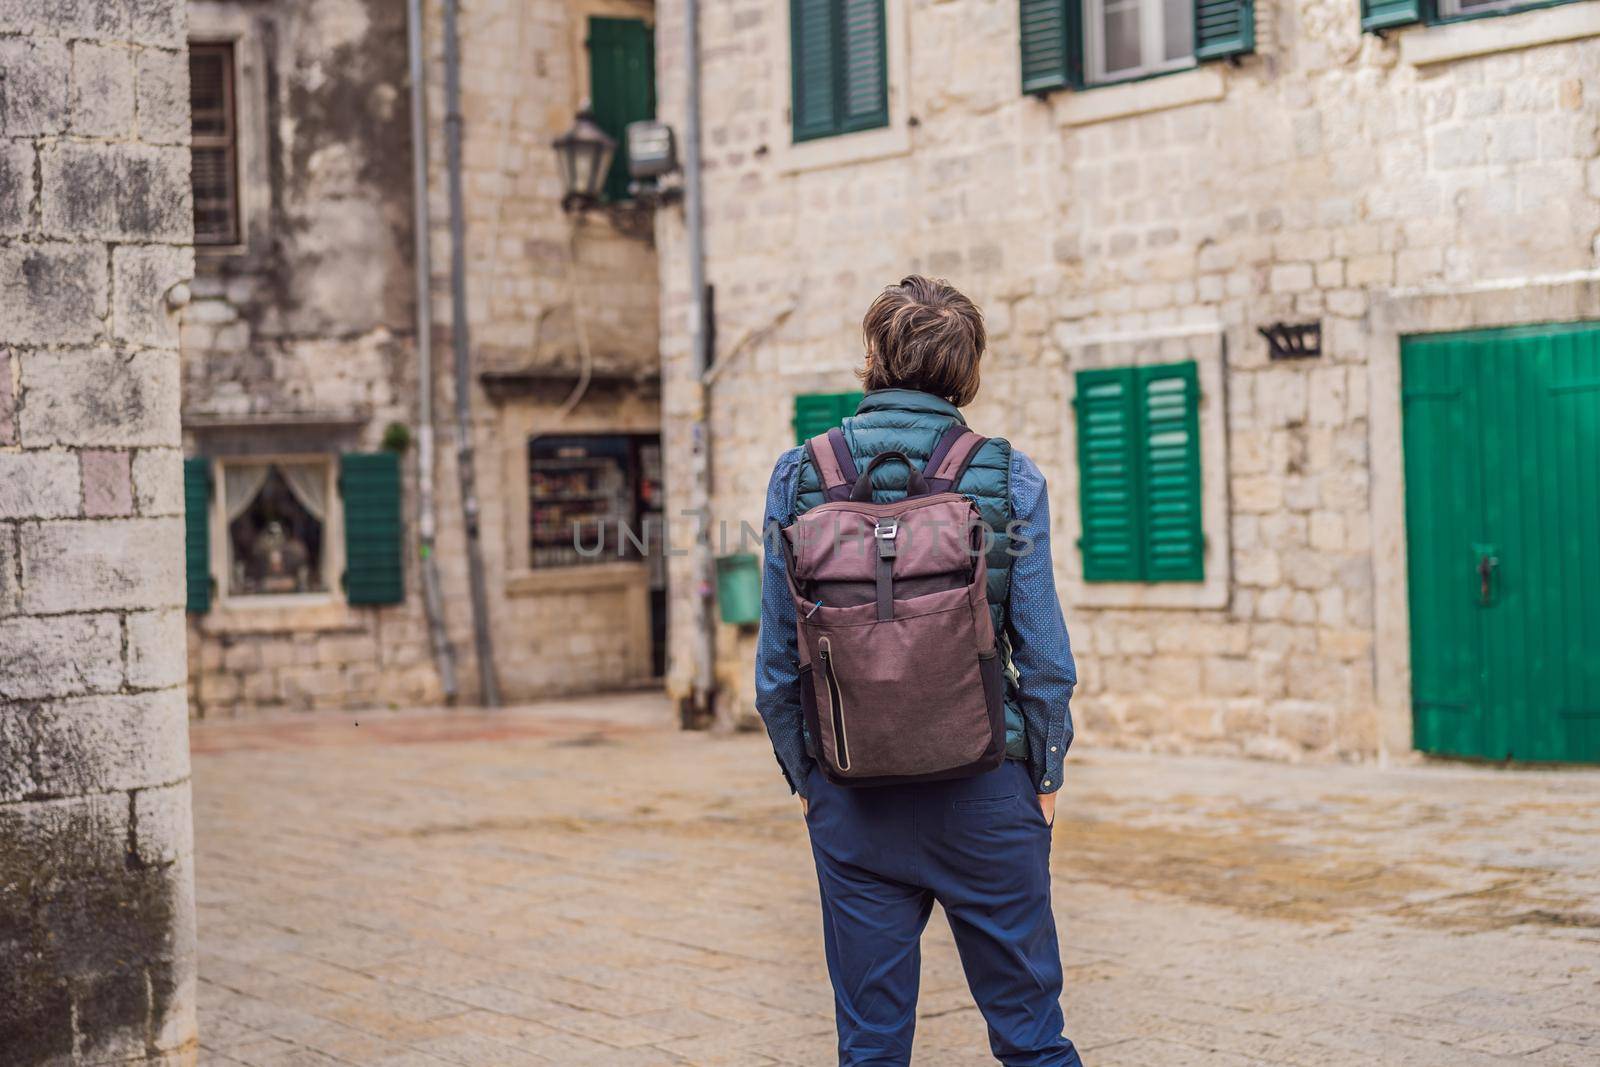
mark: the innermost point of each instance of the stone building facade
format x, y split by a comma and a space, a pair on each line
96, 882
301, 380
1439, 177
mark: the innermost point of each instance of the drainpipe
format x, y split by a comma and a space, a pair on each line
444, 656
466, 465
702, 708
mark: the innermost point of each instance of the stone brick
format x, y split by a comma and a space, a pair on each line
158, 481
1260, 493
157, 22
65, 655
52, 293
125, 191
1291, 278
1307, 725
34, 100
163, 97
1327, 531
1370, 270
38, 485
157, 651
107, 483
90, 565
102, 90
1229, 676
141, 276
162, 829
16, 185
99, 396
10, 593
8, 399
93, 744
64, 18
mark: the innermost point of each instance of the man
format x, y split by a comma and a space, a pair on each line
979, 845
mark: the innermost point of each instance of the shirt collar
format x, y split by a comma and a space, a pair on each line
909, 400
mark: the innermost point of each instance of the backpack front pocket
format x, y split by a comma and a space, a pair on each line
899, 705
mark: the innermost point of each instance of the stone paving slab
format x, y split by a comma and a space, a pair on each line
579, 883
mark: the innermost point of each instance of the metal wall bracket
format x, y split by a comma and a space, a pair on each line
1293, 341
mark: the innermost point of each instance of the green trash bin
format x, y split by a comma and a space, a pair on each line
739, 588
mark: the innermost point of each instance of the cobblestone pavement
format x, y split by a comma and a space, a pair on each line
578, 883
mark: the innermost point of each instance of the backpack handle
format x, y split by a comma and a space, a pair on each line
916, 485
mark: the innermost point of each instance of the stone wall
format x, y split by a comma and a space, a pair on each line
1327, 170
96, 885
302, 340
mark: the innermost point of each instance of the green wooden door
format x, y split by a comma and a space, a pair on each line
1502, 461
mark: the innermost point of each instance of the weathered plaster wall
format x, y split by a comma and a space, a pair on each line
96, 885
1325, 171
308, 320
313, 319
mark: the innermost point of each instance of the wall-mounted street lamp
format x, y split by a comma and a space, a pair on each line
583, 158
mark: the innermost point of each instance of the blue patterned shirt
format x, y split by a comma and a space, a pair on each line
1040, 650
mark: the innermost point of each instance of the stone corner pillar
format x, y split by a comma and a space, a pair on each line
97, 954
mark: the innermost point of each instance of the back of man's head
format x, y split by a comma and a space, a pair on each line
924, 334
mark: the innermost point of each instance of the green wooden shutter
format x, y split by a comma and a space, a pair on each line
816, 413
1224, 28
622, 86
1108, 475
864, 90
370, 485
813, 68
1051, 42
197, 532
1169, 440
839, 67
1381, 14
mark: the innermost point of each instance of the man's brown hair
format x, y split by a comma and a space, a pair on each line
923, 334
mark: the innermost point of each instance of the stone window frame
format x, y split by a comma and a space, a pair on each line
1490, 32
1397, 314
1207, 346
224, 22
846, 148
333, 562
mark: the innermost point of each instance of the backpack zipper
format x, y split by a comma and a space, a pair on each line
841, 743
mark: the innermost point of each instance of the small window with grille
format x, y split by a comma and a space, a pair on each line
215, 144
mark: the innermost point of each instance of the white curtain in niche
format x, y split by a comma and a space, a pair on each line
240, 484
309, 484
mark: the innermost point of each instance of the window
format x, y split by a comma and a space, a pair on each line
1073, 44
1139, 473
816, 413
838, 67
215, 143
276, 516
1132, 38
1382, 14
259, 528
593, 498
622, 86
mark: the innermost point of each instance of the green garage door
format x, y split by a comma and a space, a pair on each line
1502, 461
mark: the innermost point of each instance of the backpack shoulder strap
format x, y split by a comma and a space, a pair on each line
951, 457
831, 458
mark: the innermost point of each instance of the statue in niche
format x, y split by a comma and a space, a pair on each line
282, 562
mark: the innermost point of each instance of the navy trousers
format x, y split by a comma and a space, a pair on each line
981, 848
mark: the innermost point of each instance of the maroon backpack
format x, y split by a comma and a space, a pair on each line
900, 679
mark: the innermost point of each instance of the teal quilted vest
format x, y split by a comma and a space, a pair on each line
908, 421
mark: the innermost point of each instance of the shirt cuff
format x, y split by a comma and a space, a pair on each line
1047, 778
